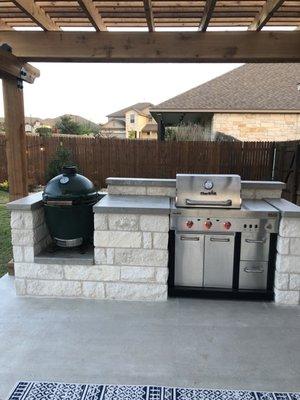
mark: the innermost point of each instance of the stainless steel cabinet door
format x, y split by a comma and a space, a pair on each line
255, 246
253, 275
218, 261
189, 259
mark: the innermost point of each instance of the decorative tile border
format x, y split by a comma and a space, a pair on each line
68, 391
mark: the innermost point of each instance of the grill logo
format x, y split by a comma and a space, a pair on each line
210, 193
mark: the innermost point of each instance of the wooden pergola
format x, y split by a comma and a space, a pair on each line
155, 37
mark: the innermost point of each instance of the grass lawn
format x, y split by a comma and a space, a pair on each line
5, 240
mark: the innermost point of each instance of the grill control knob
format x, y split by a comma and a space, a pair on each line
227, 225
208, 224
189, 224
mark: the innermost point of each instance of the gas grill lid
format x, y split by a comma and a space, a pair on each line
208, 191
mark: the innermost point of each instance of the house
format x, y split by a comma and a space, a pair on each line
133, 122
255, 102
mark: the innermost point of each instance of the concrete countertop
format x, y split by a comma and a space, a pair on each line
28, 203
172, 183
286, 208
32, 202
133, 205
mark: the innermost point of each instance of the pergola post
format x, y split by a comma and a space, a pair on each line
161, 130
15, 138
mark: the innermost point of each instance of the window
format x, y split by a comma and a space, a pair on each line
132, 118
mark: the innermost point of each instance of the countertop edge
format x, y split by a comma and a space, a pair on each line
133, 205
269, 185
285, 207
31, 202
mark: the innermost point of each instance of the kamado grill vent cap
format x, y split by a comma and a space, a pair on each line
71, 187
69, 170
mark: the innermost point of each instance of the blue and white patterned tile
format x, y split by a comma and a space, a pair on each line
64, 391
55, 391
93, 392
114, 392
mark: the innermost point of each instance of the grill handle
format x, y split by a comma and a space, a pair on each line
191, 202
213, 239
255, 241
257, 270
193, 238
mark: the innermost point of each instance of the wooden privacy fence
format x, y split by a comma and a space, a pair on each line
99, 158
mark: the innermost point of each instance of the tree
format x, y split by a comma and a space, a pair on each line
67, 126
61, 158
44, 131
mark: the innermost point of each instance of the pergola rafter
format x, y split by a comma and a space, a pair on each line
149, 15
4, 26
153, 14
265, 14
207, 13
37, 14
93, 14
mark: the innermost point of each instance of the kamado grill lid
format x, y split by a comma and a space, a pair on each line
70, 187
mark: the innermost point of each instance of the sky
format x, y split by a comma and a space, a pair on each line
95, 90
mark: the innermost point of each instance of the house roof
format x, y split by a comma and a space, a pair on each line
137, 107
251, 87
151, 127
115, 123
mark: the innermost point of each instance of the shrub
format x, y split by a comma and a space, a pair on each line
44, 131
4, 186
132, 135
62, 157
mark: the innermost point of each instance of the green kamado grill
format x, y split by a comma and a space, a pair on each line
68, 201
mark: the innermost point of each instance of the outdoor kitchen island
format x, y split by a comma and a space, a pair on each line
133, 244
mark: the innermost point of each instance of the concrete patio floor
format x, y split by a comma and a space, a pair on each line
182, 342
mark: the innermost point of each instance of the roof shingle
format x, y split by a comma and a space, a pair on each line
251, 87
137, 107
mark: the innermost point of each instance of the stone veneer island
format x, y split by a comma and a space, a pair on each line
131, 232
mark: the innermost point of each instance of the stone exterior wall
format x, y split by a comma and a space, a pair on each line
258, 127
131, 259
29, 234
131, 250
287, 275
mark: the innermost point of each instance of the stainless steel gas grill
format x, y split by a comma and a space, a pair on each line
222, 246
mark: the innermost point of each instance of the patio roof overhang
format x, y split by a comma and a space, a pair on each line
102, 45
180, 117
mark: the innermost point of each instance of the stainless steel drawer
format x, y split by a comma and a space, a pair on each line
255, 246
218, 261
189, 256
253, 275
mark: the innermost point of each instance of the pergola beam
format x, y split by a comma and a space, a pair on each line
265, 14
4, 26
37, 14
207, 13
12, 67
93, 15
149, 15
155, 47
